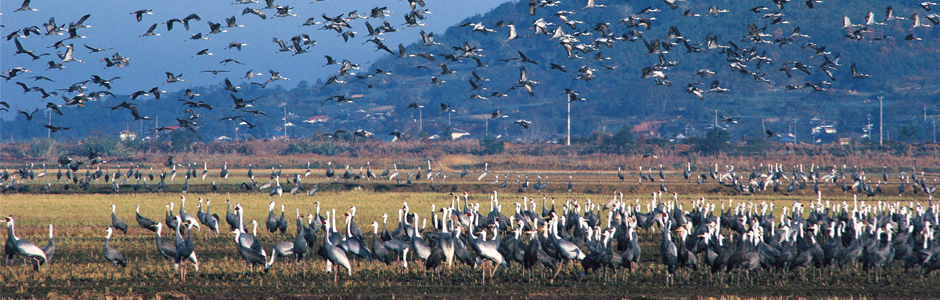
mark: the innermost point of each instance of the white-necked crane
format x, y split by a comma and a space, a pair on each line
113, 255
23, 247
488, 251
144, 222
117, 223
282, 222
301, 241
354, 230
224, 173
185, 216
282, 249
201, 215
166, 249
334, 255
486, 169
49, 249
212, 220
446, 239
668, 251
394, 173
185, 250
353, 244
271, 222
379, 251
248, 246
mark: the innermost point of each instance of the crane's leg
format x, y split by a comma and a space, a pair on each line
483, 267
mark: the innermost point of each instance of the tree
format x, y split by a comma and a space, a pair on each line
907, 133
491, 145
716, 140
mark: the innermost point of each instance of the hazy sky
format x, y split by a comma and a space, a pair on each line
114, 26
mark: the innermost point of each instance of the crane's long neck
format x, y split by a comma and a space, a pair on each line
12, 230
348, 229
333, 227
241, 221
159, 229
177, 231
326, 226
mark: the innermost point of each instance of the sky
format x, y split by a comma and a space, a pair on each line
114, 27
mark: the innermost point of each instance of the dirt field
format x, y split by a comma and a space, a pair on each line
80, 271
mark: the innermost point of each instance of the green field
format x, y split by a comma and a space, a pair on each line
79, 269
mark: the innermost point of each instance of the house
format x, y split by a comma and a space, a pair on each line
457, 133
318, 119
127, 135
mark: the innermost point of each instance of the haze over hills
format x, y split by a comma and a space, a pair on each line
743, 53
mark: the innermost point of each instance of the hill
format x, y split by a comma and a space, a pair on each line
756, 57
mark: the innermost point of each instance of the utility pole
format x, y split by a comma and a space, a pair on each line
420, 119
286, 135
568, 139
881, 120
716, 119
236, 130
50, 124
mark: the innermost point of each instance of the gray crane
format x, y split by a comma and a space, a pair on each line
144, 222
224, 173
334, 255
446, 239
166, 249
186, 217
248, 247
379, 252
23, 247
354, 244
185, 251
231, 218
282, 222
49, 249
117, 223
668, 251
113, 255
271, 223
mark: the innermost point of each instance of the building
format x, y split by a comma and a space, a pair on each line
318, 119
127, 135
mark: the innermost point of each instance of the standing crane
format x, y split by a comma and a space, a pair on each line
117, 223
668, 251
113, 255
334, 255
49, 249
23, 247
144, 222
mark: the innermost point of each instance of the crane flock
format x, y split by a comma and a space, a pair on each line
745, 60
733, 243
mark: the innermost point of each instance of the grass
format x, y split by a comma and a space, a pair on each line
79, 270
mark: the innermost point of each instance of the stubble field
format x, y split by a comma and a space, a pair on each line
79, 269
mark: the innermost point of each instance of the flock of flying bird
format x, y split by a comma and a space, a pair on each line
596, 236
744, 60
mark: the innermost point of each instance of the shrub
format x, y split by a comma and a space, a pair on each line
491, 145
